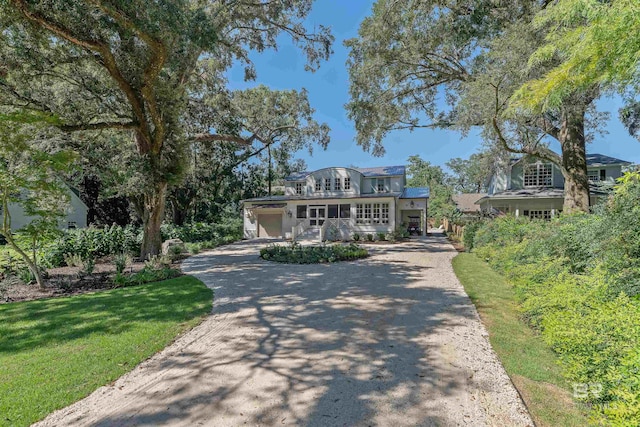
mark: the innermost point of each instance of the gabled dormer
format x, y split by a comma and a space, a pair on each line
337, 182
529, 173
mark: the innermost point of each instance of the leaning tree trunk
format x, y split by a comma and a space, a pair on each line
574, 160
153, 213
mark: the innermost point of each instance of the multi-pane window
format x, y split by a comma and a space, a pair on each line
380, 186
299, 187
336, 184
367, 213
301, 211
376, 213
318, 184
327, 184
372, 213
384, 218
347, 184
360, 213
538, 214
538, 175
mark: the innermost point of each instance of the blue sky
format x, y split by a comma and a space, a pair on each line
329, 91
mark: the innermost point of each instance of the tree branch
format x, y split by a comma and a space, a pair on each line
99, 126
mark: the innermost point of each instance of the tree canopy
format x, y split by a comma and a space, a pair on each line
456, 65
134, 66
596, 42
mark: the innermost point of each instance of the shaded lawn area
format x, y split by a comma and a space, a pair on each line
529, 362
54, 352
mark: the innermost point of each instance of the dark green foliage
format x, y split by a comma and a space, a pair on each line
469, 234
578, 280
93, 242
227, 230
146, 275
297, 254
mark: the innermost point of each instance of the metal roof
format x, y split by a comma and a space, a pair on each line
593, 160
368, 172
415, 193
596, 159
533, 193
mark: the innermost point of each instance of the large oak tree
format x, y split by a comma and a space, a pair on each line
134, 65
456, 64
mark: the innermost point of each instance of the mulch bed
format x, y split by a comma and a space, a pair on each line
67, 281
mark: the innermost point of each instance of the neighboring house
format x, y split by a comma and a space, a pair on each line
535, 188
76, 216
466, 204
339, 200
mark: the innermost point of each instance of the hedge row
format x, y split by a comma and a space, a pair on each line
578, 280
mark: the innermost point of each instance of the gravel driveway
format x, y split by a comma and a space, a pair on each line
392, 340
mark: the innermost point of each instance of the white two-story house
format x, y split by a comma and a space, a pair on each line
339, 201
536, 188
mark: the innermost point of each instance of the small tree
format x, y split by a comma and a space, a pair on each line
30, 182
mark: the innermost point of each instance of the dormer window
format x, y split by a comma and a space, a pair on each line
299, 187
336, 184
596, 175
327, 184
318, 185
380, 186
538, 175
347, 184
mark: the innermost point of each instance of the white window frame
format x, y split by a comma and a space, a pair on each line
372, 213
545, 214
299, 186
347, 184
327, 184
318, 187
534, 175
378, 188
336, 184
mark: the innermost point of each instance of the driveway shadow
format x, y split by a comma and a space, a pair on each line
345, 344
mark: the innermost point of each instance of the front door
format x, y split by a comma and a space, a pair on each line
317, 215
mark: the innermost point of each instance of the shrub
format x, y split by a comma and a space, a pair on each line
121, 261
227, 230
93, 242
297, 254
88, 265
356, 237
382, 236
369, 237
578, 281
469, 234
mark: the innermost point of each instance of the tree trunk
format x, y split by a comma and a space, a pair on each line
574, 161
152, 216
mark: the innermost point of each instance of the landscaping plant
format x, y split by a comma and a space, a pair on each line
297, 254
578, 282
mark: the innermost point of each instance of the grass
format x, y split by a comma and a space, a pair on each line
529, 362
54, 352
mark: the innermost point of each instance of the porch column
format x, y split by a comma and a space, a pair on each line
423, 213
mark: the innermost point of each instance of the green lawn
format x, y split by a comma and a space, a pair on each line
527, 359
54, 352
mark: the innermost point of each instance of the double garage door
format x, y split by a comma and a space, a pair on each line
270, 225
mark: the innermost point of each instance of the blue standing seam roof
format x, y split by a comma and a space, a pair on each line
367, 172
415, 193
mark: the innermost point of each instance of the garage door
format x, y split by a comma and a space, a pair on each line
270, 225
